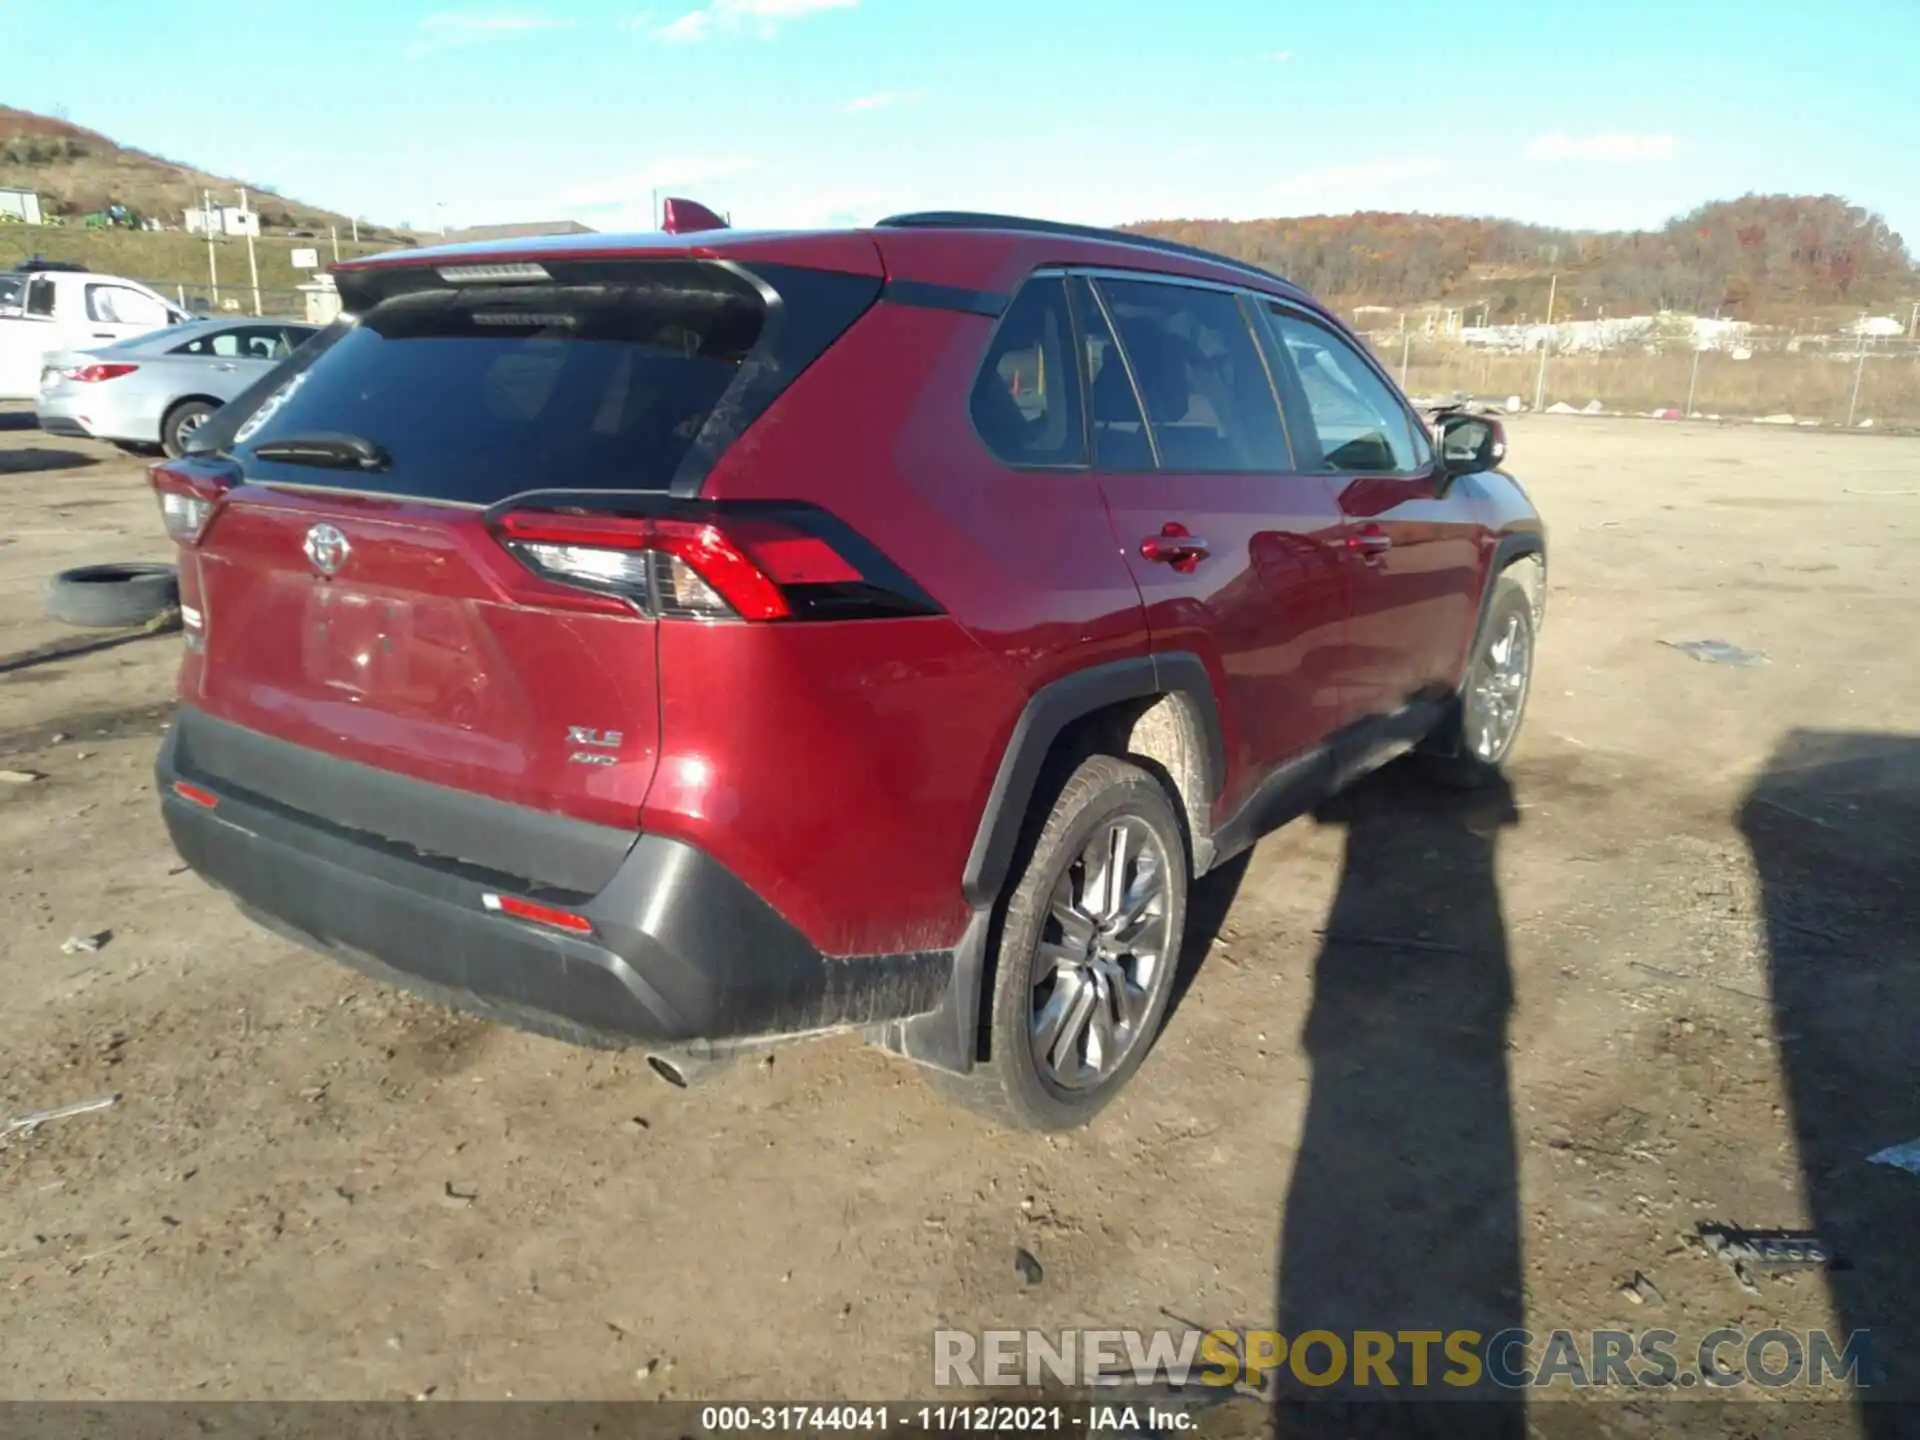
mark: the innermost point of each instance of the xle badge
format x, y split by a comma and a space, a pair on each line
599, 739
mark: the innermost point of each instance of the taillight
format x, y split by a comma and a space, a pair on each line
715, 564
189, 493
89, 374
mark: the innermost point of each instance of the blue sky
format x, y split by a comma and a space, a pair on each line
807, 112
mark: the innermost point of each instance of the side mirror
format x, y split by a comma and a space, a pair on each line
1470, 444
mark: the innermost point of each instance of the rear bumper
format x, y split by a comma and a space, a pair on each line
682, 953
54, 423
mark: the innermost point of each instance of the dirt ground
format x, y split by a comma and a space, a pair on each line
1673, 976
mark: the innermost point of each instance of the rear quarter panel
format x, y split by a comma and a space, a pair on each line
865, 758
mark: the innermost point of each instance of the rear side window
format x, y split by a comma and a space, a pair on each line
39, 297
1207, 392
1026, 396
250, 342
1362, 427
477, 393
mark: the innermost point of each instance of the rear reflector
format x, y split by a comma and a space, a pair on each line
205, 799
537, 914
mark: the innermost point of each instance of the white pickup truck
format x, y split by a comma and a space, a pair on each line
71, 310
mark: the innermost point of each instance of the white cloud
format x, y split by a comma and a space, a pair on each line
455, 25
1278, 57
1613, 148
761, 18
881, 100
693, 25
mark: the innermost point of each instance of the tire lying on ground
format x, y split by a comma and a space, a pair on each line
112, 596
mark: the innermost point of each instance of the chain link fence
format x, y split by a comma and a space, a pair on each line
205, 299
1826, 380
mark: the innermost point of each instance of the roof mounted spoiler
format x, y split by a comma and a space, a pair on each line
687, 217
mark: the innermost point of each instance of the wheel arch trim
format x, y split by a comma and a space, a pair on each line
1047, 713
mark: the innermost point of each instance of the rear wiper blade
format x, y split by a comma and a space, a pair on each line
330, 449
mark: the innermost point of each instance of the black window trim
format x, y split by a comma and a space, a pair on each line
1256, 306
1416, 428
1078, 285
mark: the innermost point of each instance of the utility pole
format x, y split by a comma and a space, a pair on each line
1693, 380
356, 230
1540, 381
1859, 366
213, 266
1913, 321
253, 264
655, 212
333, 234
1406, 349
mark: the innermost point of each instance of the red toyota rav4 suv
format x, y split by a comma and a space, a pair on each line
689, 641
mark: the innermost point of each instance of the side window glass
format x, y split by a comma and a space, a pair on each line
1026, 398
1208, 397
117, 305
39, 297
1119, 430
257, 343
1362, 427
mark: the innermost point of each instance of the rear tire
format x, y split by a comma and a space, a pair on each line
1089, 940
1483, 723
180, 423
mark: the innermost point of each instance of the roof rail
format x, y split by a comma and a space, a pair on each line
977, 220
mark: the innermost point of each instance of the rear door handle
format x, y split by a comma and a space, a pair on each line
1370, 542
1174, 546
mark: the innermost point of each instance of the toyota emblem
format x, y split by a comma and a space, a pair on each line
327, 548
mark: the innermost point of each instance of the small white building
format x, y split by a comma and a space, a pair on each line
23, 205
322, 298
224, 220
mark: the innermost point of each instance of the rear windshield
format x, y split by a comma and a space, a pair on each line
477, 393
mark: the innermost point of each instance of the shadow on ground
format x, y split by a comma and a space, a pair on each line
34, 459
1403, 1215
1834, 827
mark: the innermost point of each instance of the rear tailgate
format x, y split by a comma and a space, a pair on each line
371, 612
423, 654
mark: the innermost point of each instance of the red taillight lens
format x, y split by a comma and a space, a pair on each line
670, 567
90, 374
188, 496
716, 563
537, 913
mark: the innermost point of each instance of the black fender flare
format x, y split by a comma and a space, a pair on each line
947, 1038
1048, 712
1512, 546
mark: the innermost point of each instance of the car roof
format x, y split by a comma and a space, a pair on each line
915, 241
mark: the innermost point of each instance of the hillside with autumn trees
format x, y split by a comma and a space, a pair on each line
1768, 258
